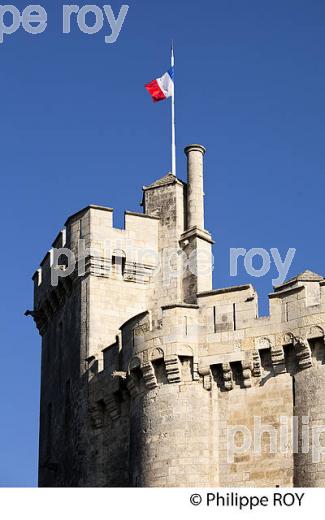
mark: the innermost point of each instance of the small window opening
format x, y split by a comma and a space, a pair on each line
118, 263
234, 315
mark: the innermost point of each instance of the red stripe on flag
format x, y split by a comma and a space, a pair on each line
155, 91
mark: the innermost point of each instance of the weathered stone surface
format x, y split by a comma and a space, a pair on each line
144, 371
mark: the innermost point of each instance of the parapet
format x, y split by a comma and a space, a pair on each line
89, 244
179, 349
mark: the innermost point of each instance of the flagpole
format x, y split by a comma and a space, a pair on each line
173, 119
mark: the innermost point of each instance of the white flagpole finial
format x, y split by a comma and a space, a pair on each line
173, 118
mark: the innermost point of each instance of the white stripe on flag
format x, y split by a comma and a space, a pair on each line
166, 84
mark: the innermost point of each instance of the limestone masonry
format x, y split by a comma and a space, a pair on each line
143, 372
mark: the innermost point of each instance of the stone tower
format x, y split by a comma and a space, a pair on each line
145, 367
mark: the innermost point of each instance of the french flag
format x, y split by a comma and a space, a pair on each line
162, 88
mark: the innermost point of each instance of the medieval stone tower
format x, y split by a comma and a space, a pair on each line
145, 367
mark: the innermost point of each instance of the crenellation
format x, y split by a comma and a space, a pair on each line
145, 366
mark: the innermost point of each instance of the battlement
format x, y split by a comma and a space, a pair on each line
89, 236
166, 364
208, 334
160, 364
214, 337
94, 225
145, 365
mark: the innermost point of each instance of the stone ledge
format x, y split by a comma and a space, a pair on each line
225, 290
287, 292
79, 213
180, 306
143, 215
198, 233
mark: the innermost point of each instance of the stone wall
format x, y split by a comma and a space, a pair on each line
144, 369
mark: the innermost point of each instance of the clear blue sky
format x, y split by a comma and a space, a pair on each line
78, 127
